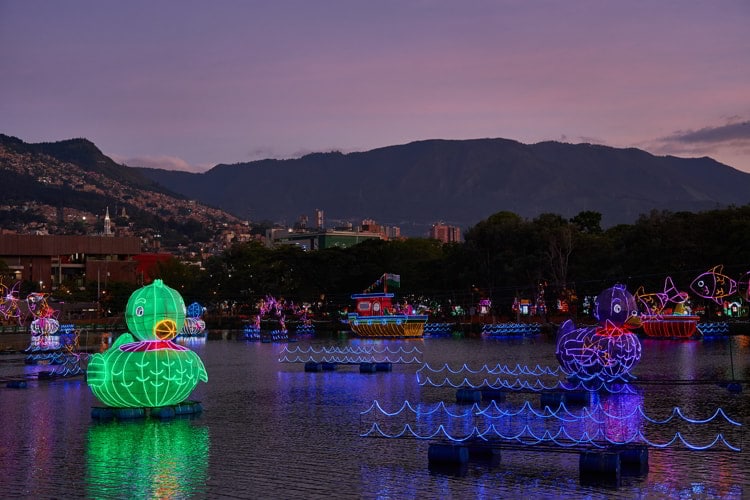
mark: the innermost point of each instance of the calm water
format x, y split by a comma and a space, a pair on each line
270, 430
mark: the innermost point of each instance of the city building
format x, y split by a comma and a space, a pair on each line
445, 233
318, 240
52, 259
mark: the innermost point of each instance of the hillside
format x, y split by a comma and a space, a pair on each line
462, 182
66, 187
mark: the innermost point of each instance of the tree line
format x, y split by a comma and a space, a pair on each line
502, 258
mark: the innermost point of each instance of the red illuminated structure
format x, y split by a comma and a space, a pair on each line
660, 321
376, 315
670, 326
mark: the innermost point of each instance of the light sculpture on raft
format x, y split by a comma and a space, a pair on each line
44, 326
608, 351
194, 325
9, 302
665, 314
144, 368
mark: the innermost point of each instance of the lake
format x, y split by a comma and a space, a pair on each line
272, 430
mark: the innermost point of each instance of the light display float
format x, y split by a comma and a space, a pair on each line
194, 326
305, 326
9, 302
665, 314
272, 309
44, 326
144, 368
608, 351
377, 316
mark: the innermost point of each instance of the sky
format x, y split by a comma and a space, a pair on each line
191, 84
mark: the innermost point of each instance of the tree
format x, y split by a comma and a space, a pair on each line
588, 222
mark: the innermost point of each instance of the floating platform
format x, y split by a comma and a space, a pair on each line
596, 465
105, 413
366, 367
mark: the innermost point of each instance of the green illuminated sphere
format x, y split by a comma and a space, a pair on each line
155, 312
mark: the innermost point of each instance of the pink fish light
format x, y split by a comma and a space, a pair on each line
655, 303
658, 321
714, 285
608, 351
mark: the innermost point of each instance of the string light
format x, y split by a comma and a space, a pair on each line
350, 359
561, 435
466, 377
350, 350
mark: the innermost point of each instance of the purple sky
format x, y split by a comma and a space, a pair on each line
189, 84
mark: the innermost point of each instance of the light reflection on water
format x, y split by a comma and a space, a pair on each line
146, 459
271, 430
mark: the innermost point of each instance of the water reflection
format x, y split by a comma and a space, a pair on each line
147, 459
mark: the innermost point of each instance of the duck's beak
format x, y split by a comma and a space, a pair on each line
633, 322
165, 329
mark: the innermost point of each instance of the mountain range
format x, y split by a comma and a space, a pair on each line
461, 182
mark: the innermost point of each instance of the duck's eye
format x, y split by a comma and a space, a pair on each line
617, 308
139, 311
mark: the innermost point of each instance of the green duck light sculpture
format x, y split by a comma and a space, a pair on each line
144, 368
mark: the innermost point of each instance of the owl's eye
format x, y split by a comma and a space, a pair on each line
139, 311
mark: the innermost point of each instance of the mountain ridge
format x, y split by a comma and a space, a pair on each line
65, 187
464, 181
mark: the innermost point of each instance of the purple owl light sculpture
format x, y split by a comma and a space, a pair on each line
607, 351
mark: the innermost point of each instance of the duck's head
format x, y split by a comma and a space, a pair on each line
618, 306
155, 312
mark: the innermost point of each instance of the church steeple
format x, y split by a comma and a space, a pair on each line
107, 224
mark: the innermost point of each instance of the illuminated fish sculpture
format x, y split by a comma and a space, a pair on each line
608, 351
144, 368
714, 285
654, 303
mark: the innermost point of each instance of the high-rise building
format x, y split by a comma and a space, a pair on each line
445, 233
319, 220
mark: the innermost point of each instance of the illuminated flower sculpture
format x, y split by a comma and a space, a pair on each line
608, 351
144, 368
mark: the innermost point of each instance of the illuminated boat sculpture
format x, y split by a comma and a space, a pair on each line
659, 320
377, 316
144, 368
673, 326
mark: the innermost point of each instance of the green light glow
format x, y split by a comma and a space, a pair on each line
150, 305
147, 459
151, 372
